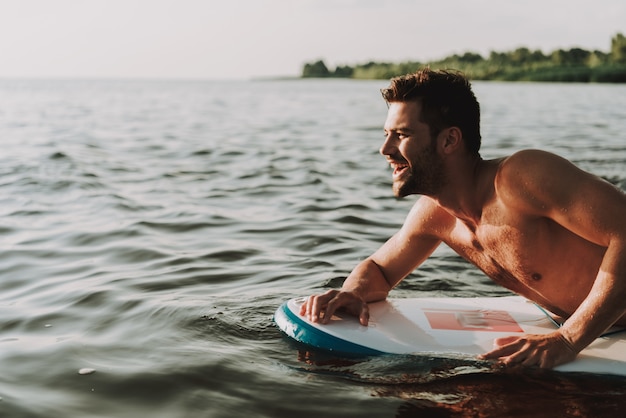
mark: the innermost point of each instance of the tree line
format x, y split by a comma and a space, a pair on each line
521, 64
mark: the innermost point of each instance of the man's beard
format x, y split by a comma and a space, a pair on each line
425, 176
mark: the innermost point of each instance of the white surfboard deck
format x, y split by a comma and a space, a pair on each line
444, 326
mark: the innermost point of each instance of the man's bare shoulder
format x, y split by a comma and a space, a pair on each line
428, 218
529, 177
542, 182
527, 164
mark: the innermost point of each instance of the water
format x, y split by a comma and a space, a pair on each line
151, 228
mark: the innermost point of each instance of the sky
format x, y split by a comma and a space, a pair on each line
241, 39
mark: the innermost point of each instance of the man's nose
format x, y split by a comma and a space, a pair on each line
388, 147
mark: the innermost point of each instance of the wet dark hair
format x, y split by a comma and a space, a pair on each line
447, 100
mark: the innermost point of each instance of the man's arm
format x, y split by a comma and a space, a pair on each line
373, 278
543, 184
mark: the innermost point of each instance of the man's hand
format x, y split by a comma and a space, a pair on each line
545, 351
320, 308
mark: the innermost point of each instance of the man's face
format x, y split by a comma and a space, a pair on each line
411, 151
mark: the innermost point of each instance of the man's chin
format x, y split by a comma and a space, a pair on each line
401, 190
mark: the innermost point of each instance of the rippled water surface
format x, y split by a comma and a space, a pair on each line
151, 228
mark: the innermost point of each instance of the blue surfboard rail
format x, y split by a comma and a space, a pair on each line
296, 328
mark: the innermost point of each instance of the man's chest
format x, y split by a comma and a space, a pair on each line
509, 251
532, 256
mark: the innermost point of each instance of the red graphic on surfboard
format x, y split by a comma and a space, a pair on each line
472, 320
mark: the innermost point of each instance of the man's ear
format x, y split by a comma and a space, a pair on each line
450, 140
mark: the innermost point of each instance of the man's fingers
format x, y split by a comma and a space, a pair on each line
329, 310
318, 304
353, 305
364, 316
501, 342
503, 347
338, 300
321, 308
304, 308
545, 351
315, 305
315, 310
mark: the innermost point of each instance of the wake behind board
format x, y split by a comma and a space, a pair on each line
444, 326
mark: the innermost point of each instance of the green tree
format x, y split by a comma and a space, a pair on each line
498, 57
537, 56
578, 56
520, 56
470, 57
574, 56
597, 58
618, 48
317, 69
343, 71
573, 65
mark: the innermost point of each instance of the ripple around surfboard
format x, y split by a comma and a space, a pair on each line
444, 326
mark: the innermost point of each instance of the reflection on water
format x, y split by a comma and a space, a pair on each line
448, 387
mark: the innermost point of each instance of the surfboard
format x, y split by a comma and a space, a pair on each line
444, 327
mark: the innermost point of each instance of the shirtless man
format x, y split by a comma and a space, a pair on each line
532, 222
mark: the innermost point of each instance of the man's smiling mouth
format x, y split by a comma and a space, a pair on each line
398, 168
